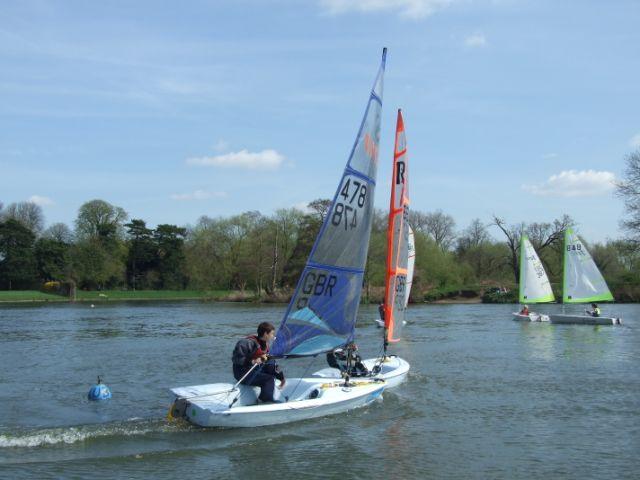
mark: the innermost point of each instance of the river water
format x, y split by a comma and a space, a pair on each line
487, 397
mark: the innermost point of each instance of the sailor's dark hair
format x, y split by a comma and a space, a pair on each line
594, 305
265, 327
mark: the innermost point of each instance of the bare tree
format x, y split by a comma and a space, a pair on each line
321, 207
60, 232
629, 191
438, 225
473, 236
28, 214
542, 235
513, 234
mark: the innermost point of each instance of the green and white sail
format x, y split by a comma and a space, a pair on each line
582, 281
534, 283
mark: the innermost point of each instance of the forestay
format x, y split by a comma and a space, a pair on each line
534, 283
322, 313
582, 280
396, 294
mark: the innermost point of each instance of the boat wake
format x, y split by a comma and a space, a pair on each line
81, 433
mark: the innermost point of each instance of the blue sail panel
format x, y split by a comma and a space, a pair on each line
324, 308
322, 313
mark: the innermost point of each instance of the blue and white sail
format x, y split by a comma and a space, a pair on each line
322, 313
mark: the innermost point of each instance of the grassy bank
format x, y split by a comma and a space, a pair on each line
112, 295
29, 296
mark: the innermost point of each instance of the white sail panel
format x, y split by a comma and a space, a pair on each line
534, 283
410, 263
582, 281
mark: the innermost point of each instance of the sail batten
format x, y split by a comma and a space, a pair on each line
396, 278
582, 280
321, 315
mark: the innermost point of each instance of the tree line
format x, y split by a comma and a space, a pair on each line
265, 254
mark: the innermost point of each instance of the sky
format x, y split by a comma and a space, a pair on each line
524, 109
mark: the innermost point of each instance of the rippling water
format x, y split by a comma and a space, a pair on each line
487, 397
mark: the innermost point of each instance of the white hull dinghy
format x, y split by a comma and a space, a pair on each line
532, 317
584, 319
321, 315
222, 405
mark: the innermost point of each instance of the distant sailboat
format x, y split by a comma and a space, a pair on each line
321, 315
534, 284
582, 282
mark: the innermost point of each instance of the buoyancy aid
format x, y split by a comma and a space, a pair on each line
263, 348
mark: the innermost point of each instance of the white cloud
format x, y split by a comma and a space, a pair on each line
40, 200
264, 160
635, 141
197, 195
572, 183
303, 207
406, 8
476, 40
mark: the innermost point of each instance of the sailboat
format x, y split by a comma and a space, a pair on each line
321, 315
399, 271
582, 282
411, 247
534, 283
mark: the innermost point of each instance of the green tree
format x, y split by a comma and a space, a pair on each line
99, 255
17, 257
52, 258
171, 266
309, 229
141, 257
101, 220
206, 252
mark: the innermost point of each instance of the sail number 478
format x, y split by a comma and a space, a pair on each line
344, 213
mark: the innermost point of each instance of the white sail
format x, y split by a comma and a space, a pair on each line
582, 281
411, 245
534, 283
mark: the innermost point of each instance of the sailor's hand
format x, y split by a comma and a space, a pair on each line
282, 384
257, 361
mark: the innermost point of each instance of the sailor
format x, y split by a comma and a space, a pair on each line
357, 369
525, 310
254, 350
595, 312
381, 311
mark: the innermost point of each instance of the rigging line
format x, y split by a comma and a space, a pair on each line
378, 363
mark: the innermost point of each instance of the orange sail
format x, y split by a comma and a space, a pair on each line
397, 240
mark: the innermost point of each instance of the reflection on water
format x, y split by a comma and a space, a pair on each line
487, 397
538, 339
